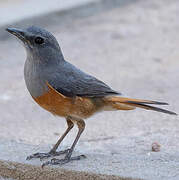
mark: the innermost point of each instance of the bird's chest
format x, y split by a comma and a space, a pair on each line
34, 79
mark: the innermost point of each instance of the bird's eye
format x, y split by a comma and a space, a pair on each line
39, 40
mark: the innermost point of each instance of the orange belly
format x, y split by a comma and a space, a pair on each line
61, 105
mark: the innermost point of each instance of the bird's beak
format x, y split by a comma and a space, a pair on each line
17, 32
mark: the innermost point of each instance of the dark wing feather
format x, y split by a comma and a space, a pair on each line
70, 81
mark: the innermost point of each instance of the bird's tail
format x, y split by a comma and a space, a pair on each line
122, 103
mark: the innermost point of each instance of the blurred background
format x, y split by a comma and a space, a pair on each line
132, 45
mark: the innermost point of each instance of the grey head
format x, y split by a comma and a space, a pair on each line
43, 57
39, 43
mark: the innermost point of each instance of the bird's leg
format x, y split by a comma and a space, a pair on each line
53, 151
68, 158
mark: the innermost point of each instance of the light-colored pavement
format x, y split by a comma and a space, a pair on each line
134, 49
18, 10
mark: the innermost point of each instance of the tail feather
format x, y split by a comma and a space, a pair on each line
144, 106
130, 100
120, 102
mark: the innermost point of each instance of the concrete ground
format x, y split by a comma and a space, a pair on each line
18, 10
133, 47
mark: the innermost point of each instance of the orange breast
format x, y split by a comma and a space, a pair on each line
61, 105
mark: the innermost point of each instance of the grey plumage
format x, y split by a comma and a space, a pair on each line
71, 81
41, 66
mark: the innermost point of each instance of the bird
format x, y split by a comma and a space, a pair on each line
66, 91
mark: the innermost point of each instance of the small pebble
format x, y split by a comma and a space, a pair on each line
155, 147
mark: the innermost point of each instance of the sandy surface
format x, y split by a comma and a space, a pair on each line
134, 49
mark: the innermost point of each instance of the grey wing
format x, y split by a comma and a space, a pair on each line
70, 81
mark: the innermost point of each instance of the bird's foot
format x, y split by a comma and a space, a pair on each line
60, 162
42, 156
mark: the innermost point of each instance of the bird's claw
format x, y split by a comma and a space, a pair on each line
60, 162
38, 155
42, 156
